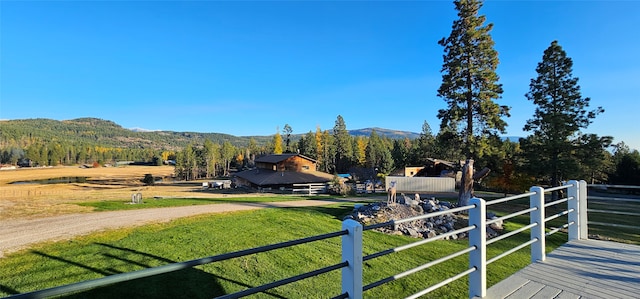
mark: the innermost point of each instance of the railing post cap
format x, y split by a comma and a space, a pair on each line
349, 222
476, 200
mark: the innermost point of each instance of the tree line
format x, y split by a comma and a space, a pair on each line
54, 153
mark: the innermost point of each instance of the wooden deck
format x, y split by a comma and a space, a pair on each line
578, 269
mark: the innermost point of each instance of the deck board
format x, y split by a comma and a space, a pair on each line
578, 269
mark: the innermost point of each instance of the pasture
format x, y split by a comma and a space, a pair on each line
110, 184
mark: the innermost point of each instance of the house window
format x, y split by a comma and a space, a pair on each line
305, 167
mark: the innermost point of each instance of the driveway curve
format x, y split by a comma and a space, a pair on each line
19, 234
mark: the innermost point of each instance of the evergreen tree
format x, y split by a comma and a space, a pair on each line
560, 114
401, 152
447, 145
307, 145
627, 168
423, 147
469, 80
595, 161
328, 152
343, 147
378, 154
287, 130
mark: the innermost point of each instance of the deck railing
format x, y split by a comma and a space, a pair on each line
352, 251
616, 204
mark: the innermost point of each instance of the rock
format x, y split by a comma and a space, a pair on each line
430, 206
449, 226
496, 225
369, 214
413, 233
418, 209
491, 233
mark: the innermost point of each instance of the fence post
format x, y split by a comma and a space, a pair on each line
352, 253
537, 232
582, 206
573, 193
478, 257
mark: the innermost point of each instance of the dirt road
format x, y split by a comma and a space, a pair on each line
18, 234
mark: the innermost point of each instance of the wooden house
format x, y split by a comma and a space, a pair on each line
282, 171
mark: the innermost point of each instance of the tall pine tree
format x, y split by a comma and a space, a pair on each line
469, 80
560, 114
343, 147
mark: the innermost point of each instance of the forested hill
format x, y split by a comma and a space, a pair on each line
107, 133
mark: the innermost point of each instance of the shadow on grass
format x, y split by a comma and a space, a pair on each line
8, 290
185, 283
338, 212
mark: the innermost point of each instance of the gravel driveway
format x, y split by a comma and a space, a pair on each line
19, 234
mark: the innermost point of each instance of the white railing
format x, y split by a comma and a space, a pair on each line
352, 286
352, 251
616, 205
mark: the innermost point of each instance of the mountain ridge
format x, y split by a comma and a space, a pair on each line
91, 130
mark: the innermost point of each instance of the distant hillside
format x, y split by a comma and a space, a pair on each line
393, 134
94, 131
104, 132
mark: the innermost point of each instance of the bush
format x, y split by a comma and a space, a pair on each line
337, 186
148, 179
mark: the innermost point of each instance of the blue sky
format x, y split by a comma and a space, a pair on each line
247, 68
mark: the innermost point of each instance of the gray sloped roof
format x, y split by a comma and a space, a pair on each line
263, 177
275, 158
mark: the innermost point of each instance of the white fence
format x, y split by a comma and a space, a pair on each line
310, 189
421, 184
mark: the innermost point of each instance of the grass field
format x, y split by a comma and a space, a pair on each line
109, 185
128, 250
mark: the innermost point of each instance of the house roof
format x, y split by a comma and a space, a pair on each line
437, 161
275, 158
263, 177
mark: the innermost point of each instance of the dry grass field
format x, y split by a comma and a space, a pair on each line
105, 183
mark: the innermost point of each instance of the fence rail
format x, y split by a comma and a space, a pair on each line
352, 247
614, 206
310, 189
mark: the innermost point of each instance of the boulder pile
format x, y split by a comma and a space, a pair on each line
407, 207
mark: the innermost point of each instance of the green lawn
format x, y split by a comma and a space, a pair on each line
618, 234
111, 205
120, 251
